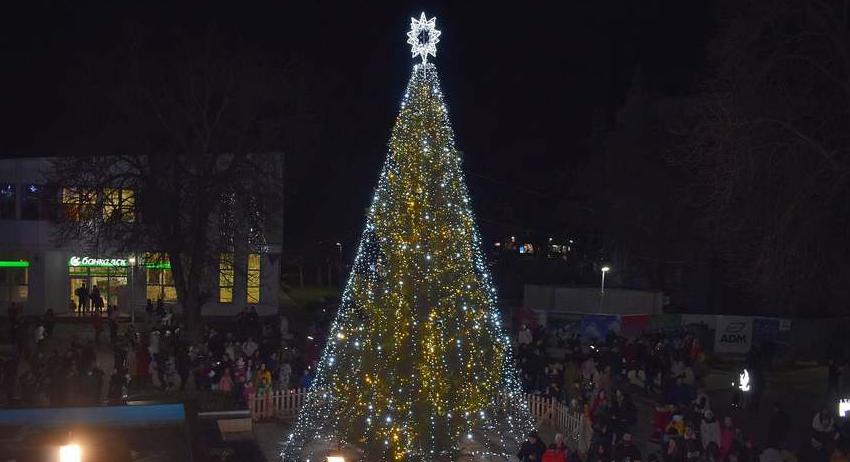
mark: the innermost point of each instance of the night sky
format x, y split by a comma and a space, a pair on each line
526, 83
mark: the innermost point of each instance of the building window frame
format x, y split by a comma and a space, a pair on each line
118, 202
226, 272
159, 281
253, 280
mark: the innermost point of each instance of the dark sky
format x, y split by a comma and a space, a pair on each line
525, 83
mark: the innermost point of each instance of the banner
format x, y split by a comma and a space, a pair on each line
598, 326
707, 320
634, 324
734, 334
665, 322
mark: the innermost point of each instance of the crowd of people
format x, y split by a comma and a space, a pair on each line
240, 358
596, 377
236, 358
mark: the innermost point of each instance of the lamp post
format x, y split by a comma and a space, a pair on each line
132, 261
604, 270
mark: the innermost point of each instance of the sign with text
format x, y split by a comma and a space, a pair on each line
734, 334
89, 261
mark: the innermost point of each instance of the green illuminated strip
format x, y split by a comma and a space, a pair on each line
14, 264
161, 265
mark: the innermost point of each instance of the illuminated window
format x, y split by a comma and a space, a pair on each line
78, 203
14, 284
253, 279
225, 278
7, 201
160, 281
118, 204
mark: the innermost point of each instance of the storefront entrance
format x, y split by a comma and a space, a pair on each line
111, 281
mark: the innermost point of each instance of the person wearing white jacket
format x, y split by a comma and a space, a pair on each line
709, 429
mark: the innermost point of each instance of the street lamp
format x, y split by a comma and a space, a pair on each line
604, 270
132, 261
70, 453
339, 245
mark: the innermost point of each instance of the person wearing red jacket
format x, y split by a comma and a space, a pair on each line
554, 455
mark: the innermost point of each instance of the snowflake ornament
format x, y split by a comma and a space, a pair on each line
423, 37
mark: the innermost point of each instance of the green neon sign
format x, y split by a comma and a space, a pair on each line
97, 262
158, 265
14, 264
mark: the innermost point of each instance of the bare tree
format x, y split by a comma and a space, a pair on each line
182, 128
768, 143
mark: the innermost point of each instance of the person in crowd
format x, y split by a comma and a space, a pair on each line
626, 450
524, 338
532, 449
709, 430
82, 294
691, 446
813, 451
727, 436
662, 416
263, 379
49, 322
702, 402
97, 324
600, 453
623, 413
673, 450
249, 347
778, 427
38, 333
143, 362
96, 300
600, 405
771, 454
561, 445
182, 364
225, 384
823, 426
677, 425
712, 453
552, 454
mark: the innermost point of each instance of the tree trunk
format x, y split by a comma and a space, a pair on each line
188, 294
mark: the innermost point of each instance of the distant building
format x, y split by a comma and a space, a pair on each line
38, 274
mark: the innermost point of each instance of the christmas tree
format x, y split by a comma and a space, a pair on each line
417, 365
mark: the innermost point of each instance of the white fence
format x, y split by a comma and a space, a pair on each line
285, 404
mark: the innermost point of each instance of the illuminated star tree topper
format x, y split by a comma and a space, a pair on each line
423, 37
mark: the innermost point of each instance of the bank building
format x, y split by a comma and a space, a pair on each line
38, 273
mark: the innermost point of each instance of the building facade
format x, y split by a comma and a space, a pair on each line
37, 273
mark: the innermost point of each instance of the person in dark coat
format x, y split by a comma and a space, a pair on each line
813, 451
626, 451
778, 427
532, 449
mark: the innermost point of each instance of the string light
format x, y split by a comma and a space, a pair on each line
431, 356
